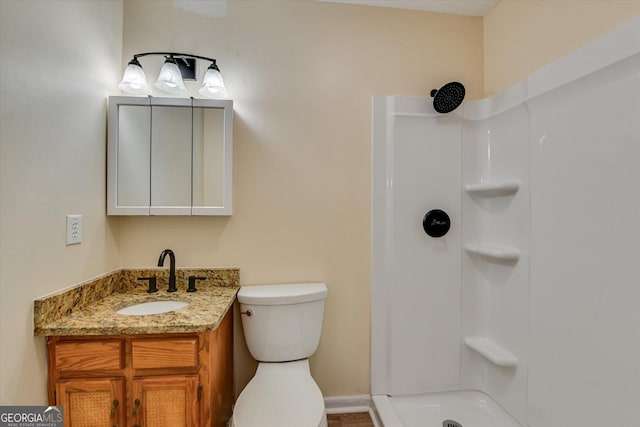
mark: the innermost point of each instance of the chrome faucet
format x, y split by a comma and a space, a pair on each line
172, 268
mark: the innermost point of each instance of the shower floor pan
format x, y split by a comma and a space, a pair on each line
466, 408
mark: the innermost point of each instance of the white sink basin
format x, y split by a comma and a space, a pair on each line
152, 307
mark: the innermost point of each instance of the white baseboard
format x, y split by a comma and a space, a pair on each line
351, 404
347, 404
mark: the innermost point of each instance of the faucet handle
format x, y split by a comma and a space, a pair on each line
152, 284
192, 283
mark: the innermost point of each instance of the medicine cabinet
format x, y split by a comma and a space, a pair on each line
169, 156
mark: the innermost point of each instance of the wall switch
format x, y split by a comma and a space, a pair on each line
74, 229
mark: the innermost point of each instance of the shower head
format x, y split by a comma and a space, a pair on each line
448, 98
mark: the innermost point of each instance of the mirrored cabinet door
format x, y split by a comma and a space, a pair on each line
128, 156
212, 160
171, 160
169, 156
134, 166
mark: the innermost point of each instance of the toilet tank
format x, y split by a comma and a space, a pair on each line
282, 323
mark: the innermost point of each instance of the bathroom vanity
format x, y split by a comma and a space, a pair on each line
168, 369
145, 380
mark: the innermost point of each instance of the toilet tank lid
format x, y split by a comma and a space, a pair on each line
294, 293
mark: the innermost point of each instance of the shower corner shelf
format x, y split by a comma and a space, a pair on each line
490, 250
492, 351
494, 188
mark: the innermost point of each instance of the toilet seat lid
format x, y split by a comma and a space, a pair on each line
296, 293
280, 397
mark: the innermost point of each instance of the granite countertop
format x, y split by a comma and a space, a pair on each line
90, 308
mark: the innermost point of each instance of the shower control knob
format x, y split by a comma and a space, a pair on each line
436, 223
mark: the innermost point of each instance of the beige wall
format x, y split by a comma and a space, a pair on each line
521, 36
59, 61
301, 74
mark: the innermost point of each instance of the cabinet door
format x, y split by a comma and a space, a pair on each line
92, 402
129, 163
212, 158
170, 401
171, 157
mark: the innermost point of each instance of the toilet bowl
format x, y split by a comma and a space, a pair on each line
281, 394
282, 326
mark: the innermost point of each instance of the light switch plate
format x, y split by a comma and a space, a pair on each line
74, 229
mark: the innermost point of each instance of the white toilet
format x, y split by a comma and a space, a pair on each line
282, 325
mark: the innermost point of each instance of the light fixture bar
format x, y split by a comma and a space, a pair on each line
175, 55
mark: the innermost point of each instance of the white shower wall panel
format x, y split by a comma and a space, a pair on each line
422, 352
495, 292
585, 261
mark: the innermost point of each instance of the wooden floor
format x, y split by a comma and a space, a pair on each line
359, 419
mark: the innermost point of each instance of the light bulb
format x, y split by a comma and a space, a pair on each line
134, 81
212, 83
170, 78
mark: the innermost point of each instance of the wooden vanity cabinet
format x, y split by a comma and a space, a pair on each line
168, 380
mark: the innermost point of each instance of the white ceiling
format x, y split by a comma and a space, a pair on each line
457, 7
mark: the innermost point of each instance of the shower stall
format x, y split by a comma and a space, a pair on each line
527, 312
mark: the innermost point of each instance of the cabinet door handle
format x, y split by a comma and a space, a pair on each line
113, 408
199, 392
136, 405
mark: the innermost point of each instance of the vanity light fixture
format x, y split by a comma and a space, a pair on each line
176, 67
